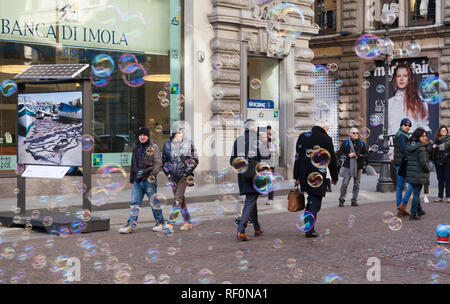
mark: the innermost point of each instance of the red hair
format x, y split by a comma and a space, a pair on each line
413, 102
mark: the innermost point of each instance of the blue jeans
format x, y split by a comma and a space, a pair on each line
400, 184
416, 207
141, 188
250, 211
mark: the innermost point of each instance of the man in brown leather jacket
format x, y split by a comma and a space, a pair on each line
146, 163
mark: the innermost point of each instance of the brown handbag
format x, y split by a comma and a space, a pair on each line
296, 200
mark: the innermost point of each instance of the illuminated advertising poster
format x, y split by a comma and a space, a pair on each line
413, 93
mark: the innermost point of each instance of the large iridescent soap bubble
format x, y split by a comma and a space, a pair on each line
431, 90
277, 26
366, 47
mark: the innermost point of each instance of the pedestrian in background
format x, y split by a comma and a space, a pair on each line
247, 149
401, 140
441, 158
417, 171
356, 158
273, 144
145, 166
179, 162
304, 170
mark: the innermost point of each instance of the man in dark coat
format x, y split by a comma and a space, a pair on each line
354, 153
145, 165
310, 177
247, 147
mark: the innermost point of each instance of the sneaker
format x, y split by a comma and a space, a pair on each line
158, 228
186, 227
439, 200
127, 229
237, 221
426, 200
448, 200
168, 228
269, 202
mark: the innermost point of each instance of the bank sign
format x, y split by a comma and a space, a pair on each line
123, 25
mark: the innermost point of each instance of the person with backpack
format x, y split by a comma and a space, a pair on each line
354, 150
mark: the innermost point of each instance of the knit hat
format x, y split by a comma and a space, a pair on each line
143, 130
405, 121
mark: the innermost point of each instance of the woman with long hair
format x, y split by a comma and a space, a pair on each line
417, 171
406, 101
441, 158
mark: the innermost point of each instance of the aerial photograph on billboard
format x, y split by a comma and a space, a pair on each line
50, 128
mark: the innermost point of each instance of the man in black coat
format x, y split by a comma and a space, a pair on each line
304, 170
247, 147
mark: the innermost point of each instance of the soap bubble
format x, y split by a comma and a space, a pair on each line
87, 142
113, 178
240, 164
380, 88
315, 179
333, 67
364, 132
152, 255
339, 83
366, 46
375, 120
8, 88
262, 182
255, 84
388, 17
387, 217
320, 158
136, 77
275, 17
126, 62
102, 65
243, 265
385, 46
98, 196
395, 224
305, 221
205, 276
319, 73
332, 278
157, 200
431, 90
366, 84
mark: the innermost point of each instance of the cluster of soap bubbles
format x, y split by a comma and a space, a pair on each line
103, 66
394, 223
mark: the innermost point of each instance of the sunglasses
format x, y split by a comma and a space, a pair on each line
355, 133
407, 125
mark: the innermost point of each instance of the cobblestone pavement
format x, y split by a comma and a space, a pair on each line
210, 254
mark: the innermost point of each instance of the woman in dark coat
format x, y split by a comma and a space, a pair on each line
417, 171
441, 158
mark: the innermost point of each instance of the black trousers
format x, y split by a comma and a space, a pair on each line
443, 176
314, 204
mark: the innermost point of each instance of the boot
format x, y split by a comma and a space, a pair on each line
402, 208
400, 214
341, 203
354, 203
